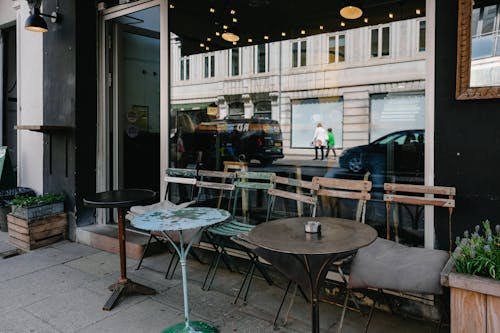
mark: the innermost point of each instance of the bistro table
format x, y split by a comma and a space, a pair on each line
181, 219
305, 258
121, 199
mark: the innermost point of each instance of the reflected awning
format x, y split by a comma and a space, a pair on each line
190, 106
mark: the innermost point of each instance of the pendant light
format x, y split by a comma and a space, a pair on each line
351, 10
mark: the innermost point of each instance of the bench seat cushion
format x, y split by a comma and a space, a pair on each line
385, 264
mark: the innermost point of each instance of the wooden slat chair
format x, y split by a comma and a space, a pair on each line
220, 235
220, 182
303, 193
172, 176
387, 265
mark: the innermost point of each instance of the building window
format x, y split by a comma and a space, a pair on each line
261, 55
306, 113
234, 62
262, 109
421, 36
209, 66
236, 110
380, 42
485, 32
336, 49
184, 68
299, 53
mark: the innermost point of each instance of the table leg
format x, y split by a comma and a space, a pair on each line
187, 326
124, 286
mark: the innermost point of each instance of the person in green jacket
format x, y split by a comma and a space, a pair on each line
331, 144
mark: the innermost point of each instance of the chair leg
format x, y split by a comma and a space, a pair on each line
342, 316
175, 258
370, 315
245, 284
215, 259
144, 252
275, 326
196, 256
292, 300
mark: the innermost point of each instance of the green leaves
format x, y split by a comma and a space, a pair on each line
39, 200
480, 252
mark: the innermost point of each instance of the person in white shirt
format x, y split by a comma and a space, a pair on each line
319, 141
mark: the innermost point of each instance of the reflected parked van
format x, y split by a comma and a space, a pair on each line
235, 140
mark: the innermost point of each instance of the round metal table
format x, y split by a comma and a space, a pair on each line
312, 252
122, 199
180, 219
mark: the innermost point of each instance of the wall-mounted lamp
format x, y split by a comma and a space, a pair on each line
351, 10
35, 21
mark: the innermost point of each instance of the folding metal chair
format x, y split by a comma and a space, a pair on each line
220, 235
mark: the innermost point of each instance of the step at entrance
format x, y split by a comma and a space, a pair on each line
105, 237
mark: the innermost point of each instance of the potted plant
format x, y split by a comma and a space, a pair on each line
37, 221
473, 275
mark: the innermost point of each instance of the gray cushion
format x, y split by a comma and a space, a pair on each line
388, 265
159, 205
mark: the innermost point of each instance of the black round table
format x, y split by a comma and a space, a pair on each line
122, 199
305, 258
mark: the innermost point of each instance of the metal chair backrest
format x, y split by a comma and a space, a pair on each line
419, 195
304, 193
251, 181
225, 183
181, 177
346, 189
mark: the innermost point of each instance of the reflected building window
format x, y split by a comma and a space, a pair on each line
299, 53
234, 62
421, 36
380, 42
485, 32
209, 66
261, 56
336, 49
184, 68
262, 109
236, 110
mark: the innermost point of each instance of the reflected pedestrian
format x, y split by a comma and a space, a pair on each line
331, 144
319, 140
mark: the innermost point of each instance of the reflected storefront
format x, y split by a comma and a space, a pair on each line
362, 82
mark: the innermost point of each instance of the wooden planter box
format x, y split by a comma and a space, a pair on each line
474, 301
35, 233
35, 212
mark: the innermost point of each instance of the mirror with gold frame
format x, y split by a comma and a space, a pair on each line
478, 67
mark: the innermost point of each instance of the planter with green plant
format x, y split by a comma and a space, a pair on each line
473, 275
37, 221
38, 206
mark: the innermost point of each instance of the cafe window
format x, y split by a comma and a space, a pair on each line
421, 36
306, 113
234, 62
184, 68
261, 56
336, 49
209, 66
262, 109
299, 53
380, 42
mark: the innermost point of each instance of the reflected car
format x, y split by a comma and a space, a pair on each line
400, 152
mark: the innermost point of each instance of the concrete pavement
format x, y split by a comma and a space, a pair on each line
62, 288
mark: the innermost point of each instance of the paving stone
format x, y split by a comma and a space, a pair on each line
144, 317
33, 287
20, 321
76, 250
100, 264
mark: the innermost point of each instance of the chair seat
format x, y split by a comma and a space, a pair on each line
231, 228
385, 264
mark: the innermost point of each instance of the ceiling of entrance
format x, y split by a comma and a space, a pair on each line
197, 22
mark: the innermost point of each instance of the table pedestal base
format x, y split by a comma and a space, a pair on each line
122, 289
193, 327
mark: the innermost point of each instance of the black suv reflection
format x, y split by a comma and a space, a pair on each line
237, 140
399, 152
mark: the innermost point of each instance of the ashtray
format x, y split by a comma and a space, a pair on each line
312, 227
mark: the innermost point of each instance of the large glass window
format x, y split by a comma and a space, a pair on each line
306, 113
380, 42
336, 49
299, 53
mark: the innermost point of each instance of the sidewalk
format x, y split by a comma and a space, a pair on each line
62, 288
